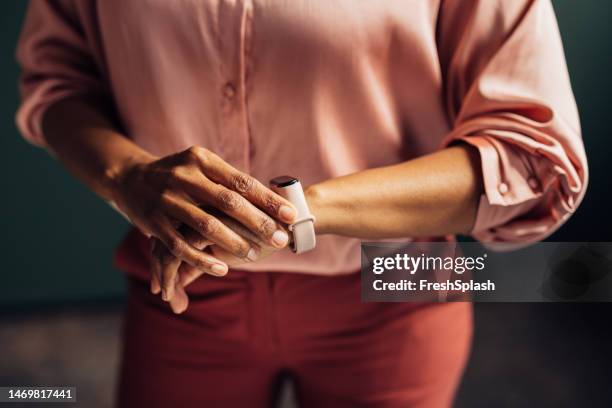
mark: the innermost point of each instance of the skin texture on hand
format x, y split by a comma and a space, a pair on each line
161, 194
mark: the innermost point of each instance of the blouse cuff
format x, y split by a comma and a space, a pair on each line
511, 189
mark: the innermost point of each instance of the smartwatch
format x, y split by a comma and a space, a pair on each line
303, 228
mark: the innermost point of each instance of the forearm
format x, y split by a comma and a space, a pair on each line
82, 136
432, 195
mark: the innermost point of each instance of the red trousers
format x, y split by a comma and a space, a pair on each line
244, 331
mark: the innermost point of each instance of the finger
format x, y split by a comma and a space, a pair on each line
204, 190
166, 269
194, 239
155, 284
188, 274
221, 253
208, 226
223, 173
240, 229
169, 274
180, 301
234, 205
155, 266
177, 245
257, 221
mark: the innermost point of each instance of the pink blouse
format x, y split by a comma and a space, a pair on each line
319, 89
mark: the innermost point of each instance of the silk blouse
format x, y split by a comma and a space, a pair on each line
320, 89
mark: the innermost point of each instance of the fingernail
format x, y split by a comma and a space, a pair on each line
164, 295
286, 213
280, 238
252, 255
219, 269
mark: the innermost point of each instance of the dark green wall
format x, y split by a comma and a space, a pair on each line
57, 238
586, 31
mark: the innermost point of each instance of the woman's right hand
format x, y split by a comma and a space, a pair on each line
159, 195
166, 267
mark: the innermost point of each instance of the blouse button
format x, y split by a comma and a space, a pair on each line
229, 91
502, 188
533, 183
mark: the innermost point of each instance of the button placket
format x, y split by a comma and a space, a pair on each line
246, 50
235, 132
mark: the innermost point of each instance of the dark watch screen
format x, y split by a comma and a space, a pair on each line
283, 181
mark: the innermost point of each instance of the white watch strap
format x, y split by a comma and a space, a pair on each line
304, 238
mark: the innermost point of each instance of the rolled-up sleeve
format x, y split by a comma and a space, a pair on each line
56, 62
508, 94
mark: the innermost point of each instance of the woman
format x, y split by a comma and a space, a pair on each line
418, 119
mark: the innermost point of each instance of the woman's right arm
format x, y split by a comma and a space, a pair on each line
82, 137
157, 194
66, 108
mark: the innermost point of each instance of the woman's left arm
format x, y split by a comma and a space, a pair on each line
432, 195
509, 98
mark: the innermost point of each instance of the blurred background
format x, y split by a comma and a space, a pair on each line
60, 316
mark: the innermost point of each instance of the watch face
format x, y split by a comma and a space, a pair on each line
283, 181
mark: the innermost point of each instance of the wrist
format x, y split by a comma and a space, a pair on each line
114, 174
316, 196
